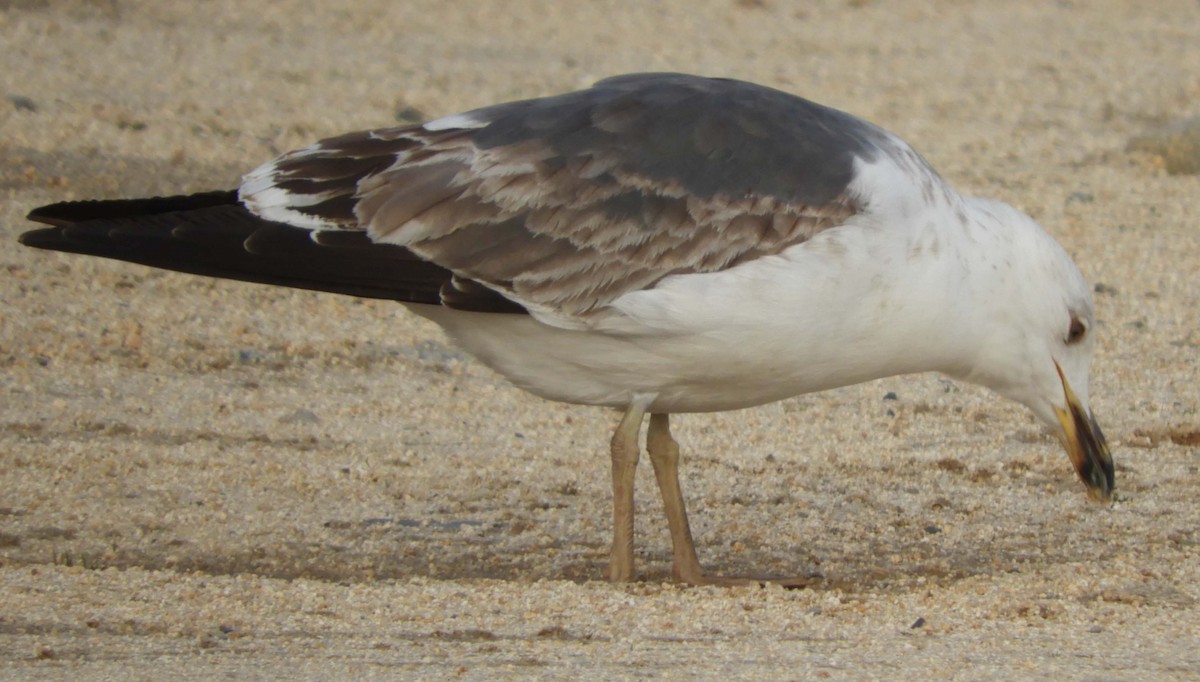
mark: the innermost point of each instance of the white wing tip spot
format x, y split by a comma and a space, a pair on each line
454, 122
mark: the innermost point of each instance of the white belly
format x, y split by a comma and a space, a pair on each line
764, 331
682, 373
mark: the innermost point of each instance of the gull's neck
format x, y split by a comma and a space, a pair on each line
968, 282
909, 310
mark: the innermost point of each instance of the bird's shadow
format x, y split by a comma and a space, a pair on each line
454, 547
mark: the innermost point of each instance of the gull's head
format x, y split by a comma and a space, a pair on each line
1038, 334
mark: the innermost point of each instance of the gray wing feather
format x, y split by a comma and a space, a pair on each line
565, 203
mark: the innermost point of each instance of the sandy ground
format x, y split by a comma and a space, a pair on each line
203, 479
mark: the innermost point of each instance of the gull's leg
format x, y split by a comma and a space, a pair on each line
664, 455
624, 464
685, 567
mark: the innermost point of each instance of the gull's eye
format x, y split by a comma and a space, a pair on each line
1076, 331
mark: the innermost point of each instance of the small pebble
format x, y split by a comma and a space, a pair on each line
300, 416
22, 103
410, 114
249, 355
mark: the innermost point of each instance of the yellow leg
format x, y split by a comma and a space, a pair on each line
685, 567
624, 464
664, 455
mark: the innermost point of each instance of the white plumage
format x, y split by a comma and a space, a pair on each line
658, 243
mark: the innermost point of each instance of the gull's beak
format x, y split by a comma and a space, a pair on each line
1085, 444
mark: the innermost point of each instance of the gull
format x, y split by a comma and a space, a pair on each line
659, 244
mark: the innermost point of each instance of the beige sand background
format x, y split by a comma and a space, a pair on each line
206, 479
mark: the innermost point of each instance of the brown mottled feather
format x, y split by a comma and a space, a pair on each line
556, 205
538, 229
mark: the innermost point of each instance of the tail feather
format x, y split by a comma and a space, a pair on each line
213, 234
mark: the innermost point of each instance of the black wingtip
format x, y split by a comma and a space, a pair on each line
67, 213
43, 238
214, 235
